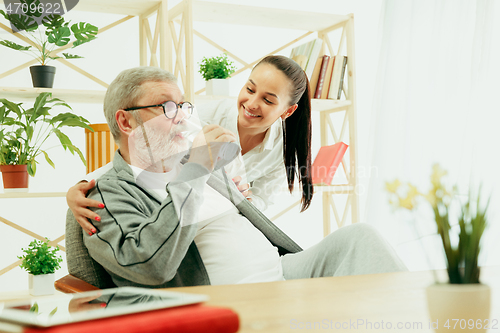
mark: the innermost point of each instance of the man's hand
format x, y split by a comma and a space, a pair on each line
243, 188
207, 143
78, 204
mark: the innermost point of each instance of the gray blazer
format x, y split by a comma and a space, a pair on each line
145, 241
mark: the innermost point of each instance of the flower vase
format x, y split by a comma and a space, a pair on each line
217, 87
42, 284
457, 307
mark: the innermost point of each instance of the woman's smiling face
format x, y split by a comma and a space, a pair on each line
264, 98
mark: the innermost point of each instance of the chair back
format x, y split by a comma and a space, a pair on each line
100, 146
80, 263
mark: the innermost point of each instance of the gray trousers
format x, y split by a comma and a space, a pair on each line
351, 250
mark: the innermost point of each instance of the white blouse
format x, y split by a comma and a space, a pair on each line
263, 165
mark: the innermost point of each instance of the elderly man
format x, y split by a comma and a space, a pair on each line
171, 223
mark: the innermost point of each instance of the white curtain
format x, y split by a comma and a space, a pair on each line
437, 99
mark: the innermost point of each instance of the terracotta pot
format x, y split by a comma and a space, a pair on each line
41, 284
457, 307
15, 177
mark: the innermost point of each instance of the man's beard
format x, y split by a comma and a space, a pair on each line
152, 150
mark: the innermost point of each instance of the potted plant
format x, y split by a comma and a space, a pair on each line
216, 71
56, 33
41, 261
23, 133
460, 227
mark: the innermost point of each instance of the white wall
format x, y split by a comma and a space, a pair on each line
116, 50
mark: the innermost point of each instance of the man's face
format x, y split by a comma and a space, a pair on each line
157, 144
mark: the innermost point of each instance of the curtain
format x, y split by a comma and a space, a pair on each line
437, 100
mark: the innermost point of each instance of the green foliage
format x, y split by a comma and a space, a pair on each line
56, 33
219, 67
24, 132
40, 258
461, 256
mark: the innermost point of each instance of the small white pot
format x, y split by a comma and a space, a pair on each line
41, 284
217, 87
457, 307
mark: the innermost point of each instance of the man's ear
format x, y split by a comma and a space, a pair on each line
126, 122
291, 109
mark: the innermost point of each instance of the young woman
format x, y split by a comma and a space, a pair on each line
272, 119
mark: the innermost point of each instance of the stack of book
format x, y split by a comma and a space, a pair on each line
325, 73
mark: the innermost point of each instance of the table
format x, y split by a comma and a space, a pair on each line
327, 304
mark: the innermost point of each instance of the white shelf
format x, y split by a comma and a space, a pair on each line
259, 16
11, 195
68, 95
97, 96
124, 7
221, 12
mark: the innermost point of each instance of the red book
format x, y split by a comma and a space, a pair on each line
184, 319
321, 78
326, 163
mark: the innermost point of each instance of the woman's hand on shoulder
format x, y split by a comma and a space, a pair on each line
79, 203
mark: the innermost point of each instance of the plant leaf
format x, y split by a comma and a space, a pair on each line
32, 168
20, 22
12, 106
60, 36
34, 308
14, 46
84, 32
63, 138
70, 120
78, 151
71, 56
52, 22
47, 158
53, 312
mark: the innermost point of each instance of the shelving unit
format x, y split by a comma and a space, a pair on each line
170, 45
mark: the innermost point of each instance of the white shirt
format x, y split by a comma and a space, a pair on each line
232, 249
263, 165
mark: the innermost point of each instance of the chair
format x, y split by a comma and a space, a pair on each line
85, 273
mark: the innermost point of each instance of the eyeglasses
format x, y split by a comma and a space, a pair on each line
170, 108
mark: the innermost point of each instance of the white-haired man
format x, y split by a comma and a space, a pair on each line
168, 222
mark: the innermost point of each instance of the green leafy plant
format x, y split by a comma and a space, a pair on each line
56, 32
219, 67
471, 221
40, 258
24, 132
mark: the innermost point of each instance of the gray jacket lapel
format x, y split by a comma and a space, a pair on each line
275, 235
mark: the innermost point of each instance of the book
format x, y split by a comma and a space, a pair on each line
326, 163
184, 319
300, 54
335, 90
301, 60
313, 56
313, 82
342, 75
321, 78
306, 54
328, 77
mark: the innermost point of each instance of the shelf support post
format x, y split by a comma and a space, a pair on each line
351, 90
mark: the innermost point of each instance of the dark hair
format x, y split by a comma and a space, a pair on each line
297, 128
